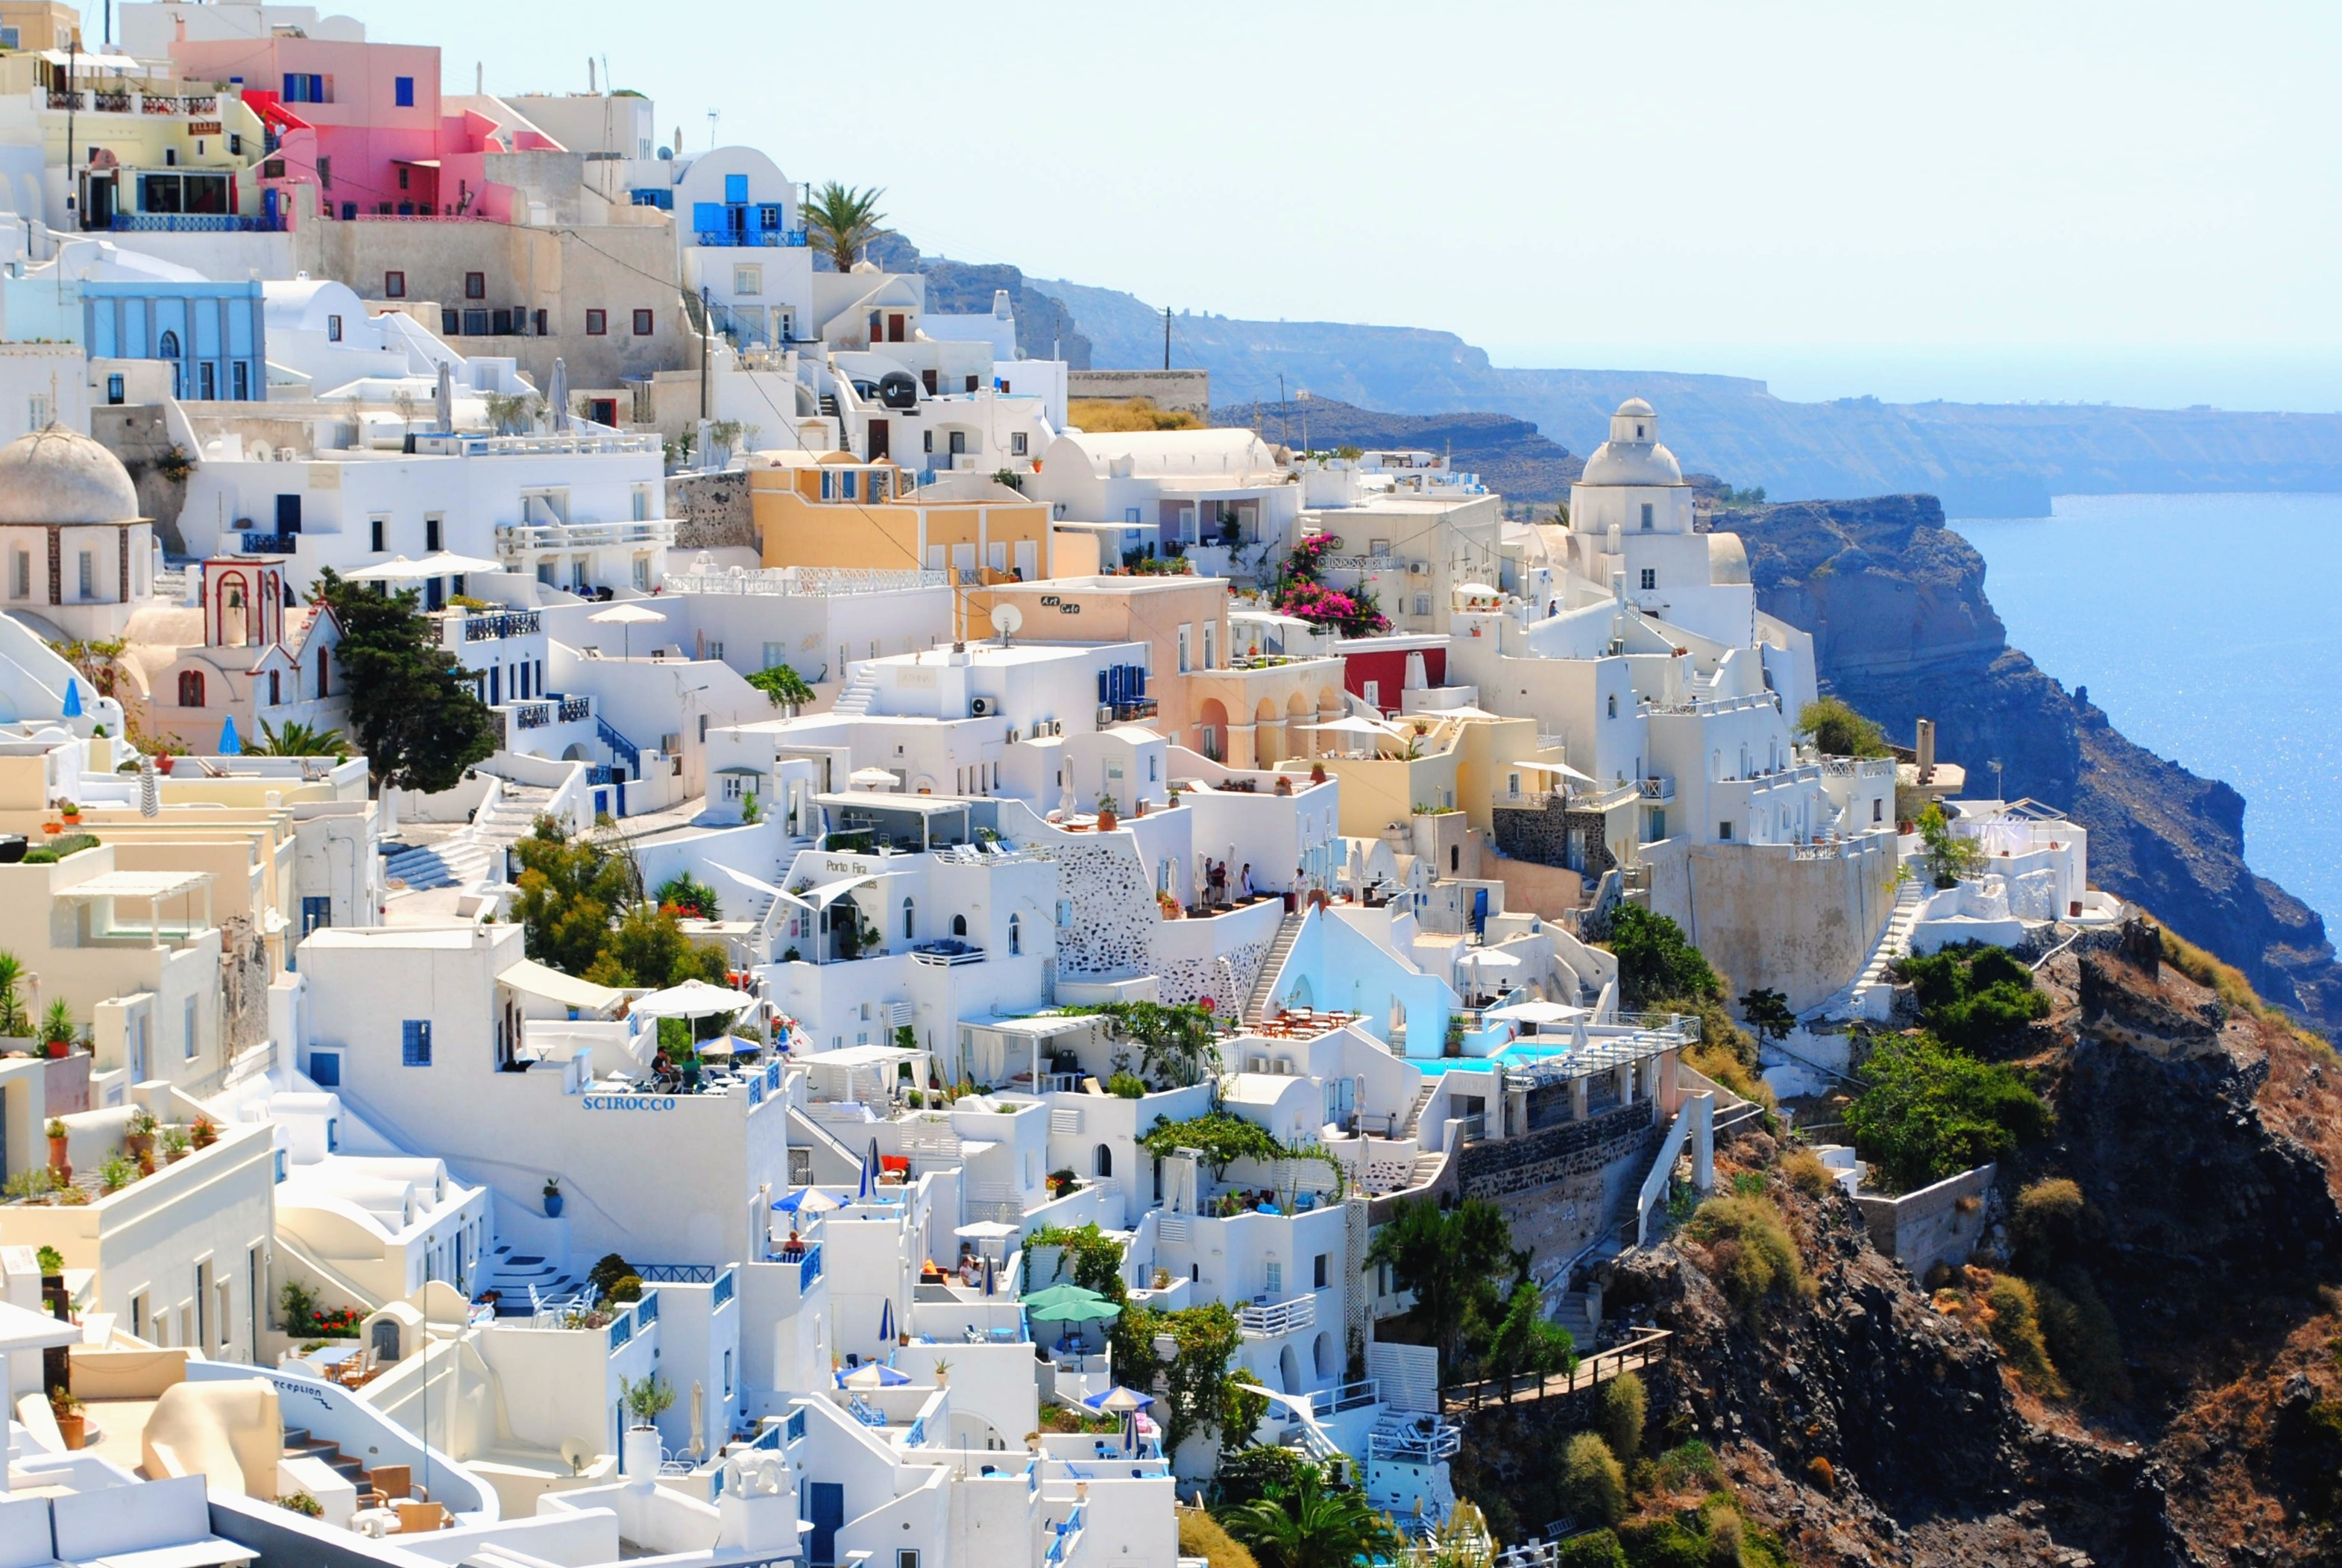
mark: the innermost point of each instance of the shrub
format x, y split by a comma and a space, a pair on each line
1749, 1251
2048, 1221
1619, 1409
1825, 1474
1837, 730
1972, 998
2017, 1329
1201, 1535
1523, 1341
1656, 959
1244, 1477
1690, 1464
1805, 1172
1127, 1086
1665, 1543
1597, 1550
1101, 415
1592, 1483
2226, 981
627, 1289
1929, 1113
2083, 1339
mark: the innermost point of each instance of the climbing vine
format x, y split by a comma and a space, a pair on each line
1096, 1257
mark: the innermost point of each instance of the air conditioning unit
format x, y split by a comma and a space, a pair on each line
1104, 714
981, 707
1012, 734
670, 742
1418, 568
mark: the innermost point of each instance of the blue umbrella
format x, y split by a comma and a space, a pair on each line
809, 1200
869, 1171
229, 746
886, 1319
72, 699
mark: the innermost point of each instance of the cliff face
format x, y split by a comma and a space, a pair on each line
1903, 629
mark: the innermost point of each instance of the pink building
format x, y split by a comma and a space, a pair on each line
364, 123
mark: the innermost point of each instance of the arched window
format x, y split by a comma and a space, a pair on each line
325, 664
167, 346
907, 920
1614, 704
959, 925
1015, 936
1455, 859
1104, 1161
191, 688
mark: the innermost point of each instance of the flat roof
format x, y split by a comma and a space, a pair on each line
137, 885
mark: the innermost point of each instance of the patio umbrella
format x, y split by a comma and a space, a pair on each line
872, 778
1538, 1012
875, 1374
628, 615
1491, 958
720, 1046
886, 1319
445, 564
691, 999
1351, 725
229, 745
1564, 769
698, 1443
1098, 1311
443, 400
1467, 712
869, 1171
558, 395
73, 698
1477, 590
150, 788
991, 1274
1058, 1295
807, 1200
1119, 1401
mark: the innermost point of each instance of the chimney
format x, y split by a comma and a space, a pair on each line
1926, 749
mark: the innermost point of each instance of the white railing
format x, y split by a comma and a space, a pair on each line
1268, 1317
1698, 1109
597, 439
807, 582
515, 540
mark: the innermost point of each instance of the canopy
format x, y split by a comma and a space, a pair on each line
1058, 1296
1479, 590
1353, 725
722, 1045
1539, 1013
807, 1200
1564, 769
873, 778
987, 1231
1116, 1401
1491, 958
439, 563
691, 999
1467, 712
628, 613
1270, 618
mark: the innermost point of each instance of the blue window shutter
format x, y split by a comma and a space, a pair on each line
405, 87
707, 217
415, 1043
292, 88
736, 189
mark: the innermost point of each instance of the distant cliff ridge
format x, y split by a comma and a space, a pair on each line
1984, 460
1903, 629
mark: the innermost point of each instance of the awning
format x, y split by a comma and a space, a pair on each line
565, 990
828, 892
138, 884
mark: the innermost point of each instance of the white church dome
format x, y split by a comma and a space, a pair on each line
1633, 455
59, 475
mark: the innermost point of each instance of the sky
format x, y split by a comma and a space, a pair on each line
2131, 202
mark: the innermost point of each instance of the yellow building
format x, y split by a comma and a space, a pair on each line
841, 512
120, 143
32, 25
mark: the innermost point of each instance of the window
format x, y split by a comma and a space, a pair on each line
324, 664
23, 574
114, 395
475, 323
642, 323
1724, 832
187, 1025
276, 697
375, 529
1210, 658
86, 576
1423, 603
325, 174
1647, 516
1321, 1272
305, 87
1272, 1278
1102, 1161
206, 382
1650, 578
907, 1557
191, 688
405, 178
402, 91
240, 375
907, 913
727, 1375
333, 329
1614, 704
1015, 936
1016, 448
415, 1043
475, 285
167, 346
959, 925
1183, 650
431, 534
747, 280
598, 321
1876, 808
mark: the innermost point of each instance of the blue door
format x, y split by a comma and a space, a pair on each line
825, 1511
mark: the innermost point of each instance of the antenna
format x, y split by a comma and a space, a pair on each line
1006, 619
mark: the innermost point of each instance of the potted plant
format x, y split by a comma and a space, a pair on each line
205, 1133
117, 1173
1317, 772
163, 761
301, 1503
57, 1030
943, 1374
71, 812
139, 1138
647, 1398
1107, 820
552, 1198
58, 1133
72, 1424
52, 1265
176, 1146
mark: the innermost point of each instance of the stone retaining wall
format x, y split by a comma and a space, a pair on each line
1556, 1186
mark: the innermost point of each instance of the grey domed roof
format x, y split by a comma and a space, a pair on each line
59, 475
1633, 406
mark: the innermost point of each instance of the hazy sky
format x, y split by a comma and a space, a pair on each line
1982, 192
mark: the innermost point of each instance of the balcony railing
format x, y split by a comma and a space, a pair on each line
1421, 1440
1658, 787
762, 239
508, 623
576, 709
808, 1264
947, 952
196, 223
269, 543
530, 715
1263, 1317
517, 540
811, 582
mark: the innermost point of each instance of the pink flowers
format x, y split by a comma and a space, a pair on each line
1314, 601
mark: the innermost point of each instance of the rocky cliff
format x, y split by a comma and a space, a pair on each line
1903, 629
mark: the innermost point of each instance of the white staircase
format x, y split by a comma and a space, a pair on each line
1415, 1111
478, 851
1866, 994
514, 1275
861, 687
1255, 1007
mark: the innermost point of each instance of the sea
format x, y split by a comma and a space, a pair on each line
2209, 628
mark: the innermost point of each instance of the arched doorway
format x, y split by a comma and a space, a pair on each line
1323, 1354
1212, 729
1102, 1161
1289, 1371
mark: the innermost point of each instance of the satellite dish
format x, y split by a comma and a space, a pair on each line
1005, 620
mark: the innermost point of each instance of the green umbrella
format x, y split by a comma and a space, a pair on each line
1058, 1295
1098, 1311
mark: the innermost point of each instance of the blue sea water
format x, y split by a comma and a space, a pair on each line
2209, 628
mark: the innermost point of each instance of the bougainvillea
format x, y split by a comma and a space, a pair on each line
1300, 593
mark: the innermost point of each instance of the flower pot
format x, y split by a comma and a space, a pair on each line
173, 1156
1107, 821
57, 1049
140, 1146
163, 763
72, 1427
552, 1205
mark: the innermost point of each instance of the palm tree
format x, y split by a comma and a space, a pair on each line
14, 1022
845, 220
1310, 1525
299, 740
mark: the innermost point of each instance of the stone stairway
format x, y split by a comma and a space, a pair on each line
511, 1275
1575, 1311
1865, 997
1255, 1007
1415, 1111
478, 851
860, 688
299, 1445
1427, 1169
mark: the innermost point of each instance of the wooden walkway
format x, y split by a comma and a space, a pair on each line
1591, 1371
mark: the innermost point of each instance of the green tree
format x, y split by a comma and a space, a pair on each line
13, 1022
1768, 1013
783, 685
570, 892
1926, 1112
1950, 856
1837, 730
1310, 1525
1592, 1482
299, 740
1450, 1259
647, 947
1655, 960
1973, 998
1620, 1407
411, 705
1177, 1043
1524, 1342
844, 219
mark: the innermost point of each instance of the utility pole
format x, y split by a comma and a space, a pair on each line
1166, 337
72, 57
1282, 431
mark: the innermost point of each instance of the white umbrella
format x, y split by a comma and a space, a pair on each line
1538, 1012
872, 778
691, 999
443, 400
1477, 590
1354, 725
397, 569
1270, 618
440, 563
559, 397
1564, 769
628, 615
1467, 712
698, 1444
1480, 958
